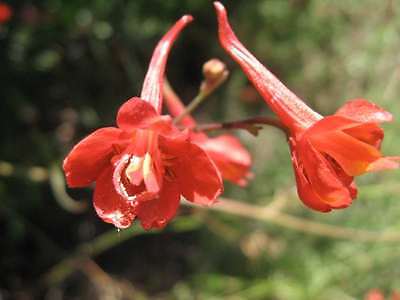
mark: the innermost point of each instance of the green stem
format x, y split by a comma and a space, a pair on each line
192, 106
205, 90
252, 125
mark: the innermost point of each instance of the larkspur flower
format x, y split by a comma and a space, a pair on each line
327, 152
143, 166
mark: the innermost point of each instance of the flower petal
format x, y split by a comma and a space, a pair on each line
369, 133
139, 114
230, 157
130, 190
91, 155
384, 163
109, 205
362, 110
304, 189
348, 181
198, 177
331, 123
135, 113
353, 155
323, 178
291, 110
153, 82
157, 212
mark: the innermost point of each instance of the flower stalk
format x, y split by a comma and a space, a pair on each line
215, 73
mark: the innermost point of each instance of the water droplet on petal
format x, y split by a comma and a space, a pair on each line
161, 223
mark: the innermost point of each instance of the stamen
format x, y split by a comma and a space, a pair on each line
133, 171
117, 180
147, 165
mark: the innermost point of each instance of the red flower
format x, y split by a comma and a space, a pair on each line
5, 12
143, 166
326, 151
374, 294
229, 155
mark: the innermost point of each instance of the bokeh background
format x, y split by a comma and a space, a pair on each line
66, 67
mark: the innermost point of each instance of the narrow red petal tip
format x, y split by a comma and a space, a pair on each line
221, 14
154, 80
218, 6
187, 19
292, 111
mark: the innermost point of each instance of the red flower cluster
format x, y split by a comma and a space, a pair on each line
144, 166
327, 152
5, 12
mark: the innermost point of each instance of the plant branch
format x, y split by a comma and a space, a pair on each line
268, 214
205, 90
274, 216
252, 125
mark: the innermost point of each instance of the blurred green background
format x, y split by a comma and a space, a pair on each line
66, 67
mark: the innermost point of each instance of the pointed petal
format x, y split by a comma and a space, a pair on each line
176, 107
323, 178
153, 82
198, 177
369, 133
230, 157
291, 110
351, 154
304, 189
158, 212
362, 110
91, 155
384, 163
331, 123
109, 205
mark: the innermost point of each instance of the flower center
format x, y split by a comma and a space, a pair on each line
139, 176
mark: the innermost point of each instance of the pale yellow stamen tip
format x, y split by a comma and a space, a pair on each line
135, 164
147, 165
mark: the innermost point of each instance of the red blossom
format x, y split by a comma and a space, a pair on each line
377, 294
327, 152
374, 294
229, 155
5, 12
143, 166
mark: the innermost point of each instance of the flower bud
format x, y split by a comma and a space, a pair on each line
214, 69
215, 73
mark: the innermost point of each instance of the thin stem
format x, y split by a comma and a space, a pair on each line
268, 214
271, 215
191, 107
205, 90
57, 184
247, 124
